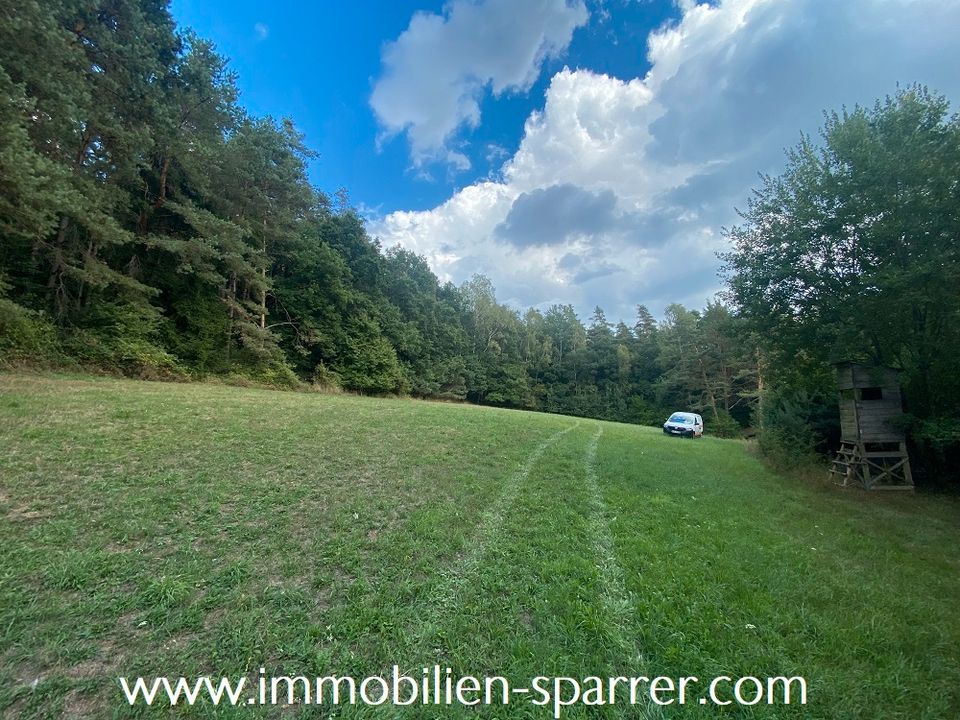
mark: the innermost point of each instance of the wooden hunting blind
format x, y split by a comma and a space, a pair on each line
873, 448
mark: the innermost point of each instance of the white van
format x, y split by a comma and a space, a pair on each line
684, 424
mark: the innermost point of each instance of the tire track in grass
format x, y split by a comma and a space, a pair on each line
615, 598
446, 597
454, 578
544, 558
494, 550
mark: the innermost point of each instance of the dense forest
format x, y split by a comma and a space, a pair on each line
150, 226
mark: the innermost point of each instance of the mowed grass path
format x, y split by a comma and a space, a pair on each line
159, 529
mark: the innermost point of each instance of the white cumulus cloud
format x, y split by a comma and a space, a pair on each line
437, 71
649, 169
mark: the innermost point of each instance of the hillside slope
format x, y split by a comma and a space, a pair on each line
160, 529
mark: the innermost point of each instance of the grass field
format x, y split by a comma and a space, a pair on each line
160, 529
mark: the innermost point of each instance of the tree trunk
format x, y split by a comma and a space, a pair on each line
55, 283
232, 296
760, 389
711, 396
162, 193
263, 274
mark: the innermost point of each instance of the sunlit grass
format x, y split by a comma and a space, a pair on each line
159, 529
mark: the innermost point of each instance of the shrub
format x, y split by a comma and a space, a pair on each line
370, 366
122, 336
642, 412
786, 438
326, 379
27, 337
276, 373
723, 426
130, 356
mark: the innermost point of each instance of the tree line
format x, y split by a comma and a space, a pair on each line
150, 226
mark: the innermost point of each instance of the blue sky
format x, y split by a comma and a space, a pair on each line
575, 151
317, 63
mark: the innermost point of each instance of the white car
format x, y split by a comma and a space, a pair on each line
684, 424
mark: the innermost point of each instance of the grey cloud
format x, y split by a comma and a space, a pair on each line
549, 216
788, 63
570, 261
718, 187
594, 272
655, 228
678, 283
708, 199
618, 297
585, 268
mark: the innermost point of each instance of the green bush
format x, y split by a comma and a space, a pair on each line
642, 412
276, 373
27, 337
785, 437
451, 377
370, 365
133, 357
123, 337
326, 379
723, 426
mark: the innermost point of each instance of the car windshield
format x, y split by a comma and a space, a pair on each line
683, 419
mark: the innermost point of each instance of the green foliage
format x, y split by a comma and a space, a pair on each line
326, 379
122, 337
786, 435
723, 425
369, 365
642, 412
852, 253
27, 337
511, 387
940, 433
451, 375
275, 373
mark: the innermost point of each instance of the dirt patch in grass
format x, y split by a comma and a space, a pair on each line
20, 512
180, 641
213, 619
93, 668
16, 708
78, 705
131, 625
21, 515
103, 663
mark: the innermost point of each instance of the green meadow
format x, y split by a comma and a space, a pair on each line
152, 529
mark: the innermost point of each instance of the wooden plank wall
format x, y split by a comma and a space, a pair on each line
874, 416
867, 420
